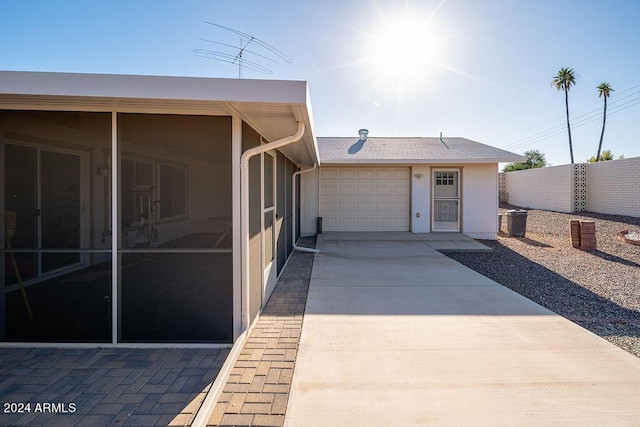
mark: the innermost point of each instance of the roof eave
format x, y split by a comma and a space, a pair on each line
328, 161
118, 86
249, 99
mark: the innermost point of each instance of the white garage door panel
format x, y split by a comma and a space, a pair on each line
365, 174
346, 174
347, 207
365, 198
366, 190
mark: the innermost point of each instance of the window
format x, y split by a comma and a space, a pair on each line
173, 191
445, 178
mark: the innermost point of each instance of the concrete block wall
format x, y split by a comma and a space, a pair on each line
548, 188
613, 187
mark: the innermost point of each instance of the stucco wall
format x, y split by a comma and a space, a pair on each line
613, 187
420, 199
548, 188
480, 201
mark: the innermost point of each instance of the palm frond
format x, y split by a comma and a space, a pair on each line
605, 89
565, 78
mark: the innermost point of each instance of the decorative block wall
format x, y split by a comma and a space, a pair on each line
549, 188
502, 188
614, 187
580, 187
611, 187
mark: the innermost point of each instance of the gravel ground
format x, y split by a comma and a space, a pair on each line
599, 290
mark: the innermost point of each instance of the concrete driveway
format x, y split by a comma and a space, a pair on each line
396, 333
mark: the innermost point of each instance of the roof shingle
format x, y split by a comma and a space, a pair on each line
410, 150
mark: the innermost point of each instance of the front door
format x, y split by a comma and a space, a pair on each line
446, 200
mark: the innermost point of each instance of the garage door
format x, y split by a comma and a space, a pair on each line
365, 198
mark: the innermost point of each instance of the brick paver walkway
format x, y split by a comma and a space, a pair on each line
257, 391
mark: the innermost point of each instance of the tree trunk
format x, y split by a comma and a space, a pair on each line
604, 121
566, 102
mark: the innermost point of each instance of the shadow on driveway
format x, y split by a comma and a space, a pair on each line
555, 292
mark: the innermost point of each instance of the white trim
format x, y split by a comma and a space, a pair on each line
156, 89
115, 228
236, 153
269, 270
211, 398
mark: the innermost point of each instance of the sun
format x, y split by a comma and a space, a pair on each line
405, 49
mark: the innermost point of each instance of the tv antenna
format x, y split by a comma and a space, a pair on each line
237, 54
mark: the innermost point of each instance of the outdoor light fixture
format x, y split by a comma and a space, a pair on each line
419, 175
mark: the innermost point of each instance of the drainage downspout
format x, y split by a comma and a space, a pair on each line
293, 210
244, 207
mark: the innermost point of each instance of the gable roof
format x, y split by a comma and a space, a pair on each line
410, 150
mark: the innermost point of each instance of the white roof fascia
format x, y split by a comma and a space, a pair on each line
304, 115
418, 161
21, 83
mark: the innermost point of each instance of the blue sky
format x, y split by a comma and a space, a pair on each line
479, 69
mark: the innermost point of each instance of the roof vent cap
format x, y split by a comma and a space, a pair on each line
363, 134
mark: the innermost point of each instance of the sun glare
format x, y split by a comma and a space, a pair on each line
405, 49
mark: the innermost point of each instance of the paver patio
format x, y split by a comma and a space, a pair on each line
104, 386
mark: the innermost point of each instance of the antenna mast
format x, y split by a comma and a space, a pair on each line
269, 53
240, 58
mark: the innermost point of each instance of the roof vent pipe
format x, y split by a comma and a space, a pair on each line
442, 140
363, 134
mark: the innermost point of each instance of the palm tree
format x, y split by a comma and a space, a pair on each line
564, 80
604, 89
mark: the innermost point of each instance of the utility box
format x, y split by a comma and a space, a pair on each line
516, 222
